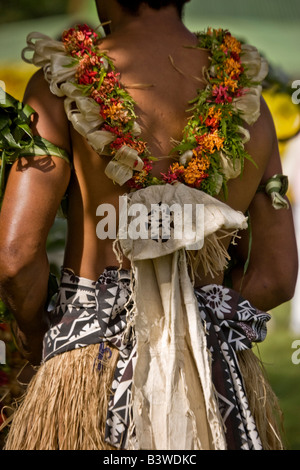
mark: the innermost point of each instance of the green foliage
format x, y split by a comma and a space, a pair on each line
4, 313
16, 138
15, 133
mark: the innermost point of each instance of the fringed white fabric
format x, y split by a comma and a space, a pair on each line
174, 404
249, 104
256, 68
120, 168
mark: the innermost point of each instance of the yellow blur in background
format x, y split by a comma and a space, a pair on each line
16, 76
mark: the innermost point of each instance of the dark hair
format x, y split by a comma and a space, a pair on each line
132, 6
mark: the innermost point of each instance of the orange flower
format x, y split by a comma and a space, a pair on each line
86, 71
196, 171
213, 113
116, 112
232, 67
138, 145
208, 143
232, 44
175, 173
213, 117
231, 84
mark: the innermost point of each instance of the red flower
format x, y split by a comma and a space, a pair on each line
220, 92
87, 78
79, 40
212, 122
235, 56
175, 173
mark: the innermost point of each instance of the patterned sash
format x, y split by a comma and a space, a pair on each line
89, 312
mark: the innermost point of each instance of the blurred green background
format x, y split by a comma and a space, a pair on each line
273, 26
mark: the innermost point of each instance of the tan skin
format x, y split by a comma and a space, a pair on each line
140, 47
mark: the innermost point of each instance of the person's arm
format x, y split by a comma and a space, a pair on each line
272, 272
33, 193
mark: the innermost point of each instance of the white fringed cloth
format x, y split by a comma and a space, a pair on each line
174, 404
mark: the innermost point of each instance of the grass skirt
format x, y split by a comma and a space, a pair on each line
66, 403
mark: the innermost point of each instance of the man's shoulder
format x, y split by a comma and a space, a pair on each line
262, 134
51, 121
38, 89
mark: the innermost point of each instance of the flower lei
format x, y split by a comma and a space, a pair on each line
212, 148
213, 134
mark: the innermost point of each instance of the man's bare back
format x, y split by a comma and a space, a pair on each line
169, 71
162, 75
162, 95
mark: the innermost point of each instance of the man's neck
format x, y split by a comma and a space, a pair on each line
166, 19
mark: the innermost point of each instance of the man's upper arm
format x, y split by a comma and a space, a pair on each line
50, 120
274, 248
35, 185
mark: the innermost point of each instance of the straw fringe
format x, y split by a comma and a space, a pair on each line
65, 405
262, 400
213, 256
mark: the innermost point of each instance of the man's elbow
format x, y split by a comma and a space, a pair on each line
286, 281
16, 267
290, 287
9, 265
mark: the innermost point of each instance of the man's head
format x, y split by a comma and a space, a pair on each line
107, 9
132, 6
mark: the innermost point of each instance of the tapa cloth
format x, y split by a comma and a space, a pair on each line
173, 361
89, 312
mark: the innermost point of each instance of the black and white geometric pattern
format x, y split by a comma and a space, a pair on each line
232, 324
90, 312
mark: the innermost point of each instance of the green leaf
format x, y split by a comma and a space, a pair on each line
10, 140
5, 315
9, 102
2, 174
25, 128
249, 244
28, 110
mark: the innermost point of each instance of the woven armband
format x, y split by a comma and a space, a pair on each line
276, 187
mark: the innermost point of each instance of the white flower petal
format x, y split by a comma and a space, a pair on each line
230, 169
256, 66
118, 172
130, 157
186, 157
249, 104
99, 139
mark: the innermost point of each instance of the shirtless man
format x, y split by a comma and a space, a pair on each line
140, 46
